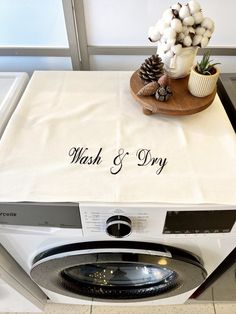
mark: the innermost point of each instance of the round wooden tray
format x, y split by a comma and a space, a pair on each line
181, 103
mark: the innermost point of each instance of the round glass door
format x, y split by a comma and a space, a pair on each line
118, 270
116, 274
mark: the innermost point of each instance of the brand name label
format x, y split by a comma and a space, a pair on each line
4, 214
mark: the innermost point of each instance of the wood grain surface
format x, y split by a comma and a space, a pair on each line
181, 103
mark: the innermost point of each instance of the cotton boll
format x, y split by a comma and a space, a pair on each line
204, 41
177, 49
170, 54
185, 30
171, 41
207, 23
160, 48
200, 30
187, 41
188, 21
197, 40
164, 47
180, 37
176, 25
162, 26
169, 33
194, 6
208, 33
164, 58
167, 13
191, 30
176, 6
184, 12
162, 40
153, 34
169, 45
198, 17
156, 31
167, 16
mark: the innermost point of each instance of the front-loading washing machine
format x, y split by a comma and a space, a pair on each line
99, 203
85, 253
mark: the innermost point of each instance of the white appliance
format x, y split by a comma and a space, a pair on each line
12, 86
99, 203
151, 253
18, 292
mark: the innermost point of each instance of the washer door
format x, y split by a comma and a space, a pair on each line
118, 270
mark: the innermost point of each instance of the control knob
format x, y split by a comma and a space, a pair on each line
118, 226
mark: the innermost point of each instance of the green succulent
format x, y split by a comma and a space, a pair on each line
205, 66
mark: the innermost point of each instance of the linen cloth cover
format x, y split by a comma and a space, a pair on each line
62, 110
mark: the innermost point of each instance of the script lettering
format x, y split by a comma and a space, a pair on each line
145, 158
78, 156
118, 161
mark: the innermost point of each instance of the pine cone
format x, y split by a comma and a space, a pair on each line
163, 93
152, 69
148, 89
163, 80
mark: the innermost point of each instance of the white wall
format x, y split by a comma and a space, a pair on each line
126, 22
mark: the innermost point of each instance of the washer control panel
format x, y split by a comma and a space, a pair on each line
121, 221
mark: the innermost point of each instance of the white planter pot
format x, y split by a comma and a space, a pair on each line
201, 85
178, 66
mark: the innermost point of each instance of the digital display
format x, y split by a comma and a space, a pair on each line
209, 221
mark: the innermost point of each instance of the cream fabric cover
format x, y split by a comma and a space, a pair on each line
61, 110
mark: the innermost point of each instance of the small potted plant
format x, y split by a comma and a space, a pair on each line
203, 77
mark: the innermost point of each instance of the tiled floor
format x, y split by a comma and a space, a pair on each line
177, 309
